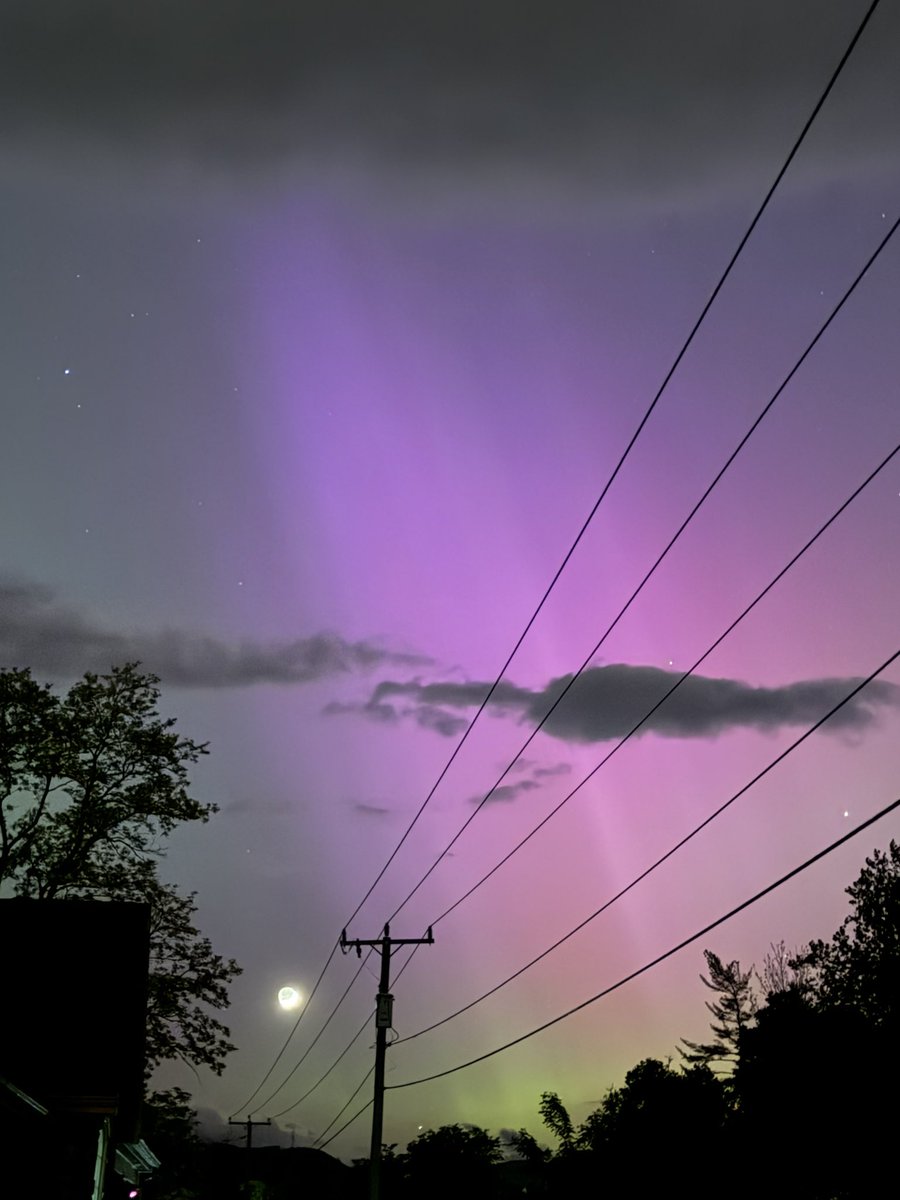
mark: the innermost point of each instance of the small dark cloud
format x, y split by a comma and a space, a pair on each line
426, 716
508, 791
375, 711
606, 702
561, 768
371, 810
37, 631
533, 781
430, 716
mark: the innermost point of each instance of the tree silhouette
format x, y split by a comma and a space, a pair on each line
732, 1013
817, 1072
640, 1131
450, 1161
556, 1117
860, 967
91, 783
783, 970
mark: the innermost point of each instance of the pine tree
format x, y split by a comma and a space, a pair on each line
732, 1014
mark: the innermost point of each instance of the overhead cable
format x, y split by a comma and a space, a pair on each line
659, 958
325, 1025
669, 853
684, 348
643, 721
681, 528
347, 1124
625, 453
345, 1050
295, 1027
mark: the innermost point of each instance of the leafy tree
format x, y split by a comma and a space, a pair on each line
91, 783
526, 1146
637, 1138
452, 1160
860, 967
783, 970
732, 1013
818, 1072
657, 1106
169, 1125
556, 1117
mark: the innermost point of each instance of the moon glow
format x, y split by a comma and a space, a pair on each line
289, 997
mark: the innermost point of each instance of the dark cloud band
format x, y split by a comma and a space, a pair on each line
607, 702
38, 632
610, 99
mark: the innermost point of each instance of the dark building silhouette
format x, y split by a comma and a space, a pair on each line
73, 999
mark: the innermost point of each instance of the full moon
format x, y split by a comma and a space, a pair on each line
288, 997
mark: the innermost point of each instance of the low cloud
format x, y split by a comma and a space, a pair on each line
612, 99
370, 810
37, 631
548, 772
508, 791
529, 777
212, 1127
606, 702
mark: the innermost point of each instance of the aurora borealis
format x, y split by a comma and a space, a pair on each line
323, 330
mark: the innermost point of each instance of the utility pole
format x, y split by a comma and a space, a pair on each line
248, 1124
384, 1012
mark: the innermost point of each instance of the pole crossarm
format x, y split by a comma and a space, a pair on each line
379, 943
248, 1125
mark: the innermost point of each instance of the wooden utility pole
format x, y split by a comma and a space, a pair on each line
384, 1011
248, 1125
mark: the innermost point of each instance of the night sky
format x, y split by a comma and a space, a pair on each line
323, 328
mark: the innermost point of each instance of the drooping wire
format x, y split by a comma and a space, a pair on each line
345, 1050
295, 1027
661, 957
350, 1100
325, 1074
347, 1124
625, 453
681, 528
306, 1052
635, 728
668, 854
684, 348
683, 841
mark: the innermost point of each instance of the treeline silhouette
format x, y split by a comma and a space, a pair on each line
795, 1093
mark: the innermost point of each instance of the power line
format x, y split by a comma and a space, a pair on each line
638, 725
669, 853
306, 1052
661, 957
634, 729
346, 1049
347, 1124
634, 437
684, 348
294, 1029
684, 524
